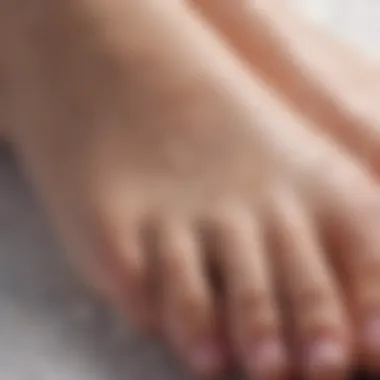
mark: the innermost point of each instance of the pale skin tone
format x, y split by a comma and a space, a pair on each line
157, 155
326, 80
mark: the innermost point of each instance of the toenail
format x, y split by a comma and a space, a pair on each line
326, 356
208, 357
267, 358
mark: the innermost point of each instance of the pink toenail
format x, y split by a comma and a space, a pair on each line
208, 357
266, 358
326, 356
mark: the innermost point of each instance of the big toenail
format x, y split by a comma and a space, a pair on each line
372, 335
267, 358
208, 357
326, 356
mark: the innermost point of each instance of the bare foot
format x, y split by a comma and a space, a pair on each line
323, 78
339, 87
161, 160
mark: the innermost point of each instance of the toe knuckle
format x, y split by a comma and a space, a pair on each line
321, 322
192, 304
134, 270
318, 309
311, 299
255, 313
252, 300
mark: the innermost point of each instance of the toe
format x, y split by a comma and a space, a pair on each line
123, 264
310, 289
188, 303
355, 242
253, 317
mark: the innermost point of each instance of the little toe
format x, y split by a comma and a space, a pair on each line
316, 307
252, 311
188, 303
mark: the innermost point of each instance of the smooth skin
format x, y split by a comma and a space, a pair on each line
331, 84
161, 159
326, 79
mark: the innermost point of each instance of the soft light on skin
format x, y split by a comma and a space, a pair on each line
102, 99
